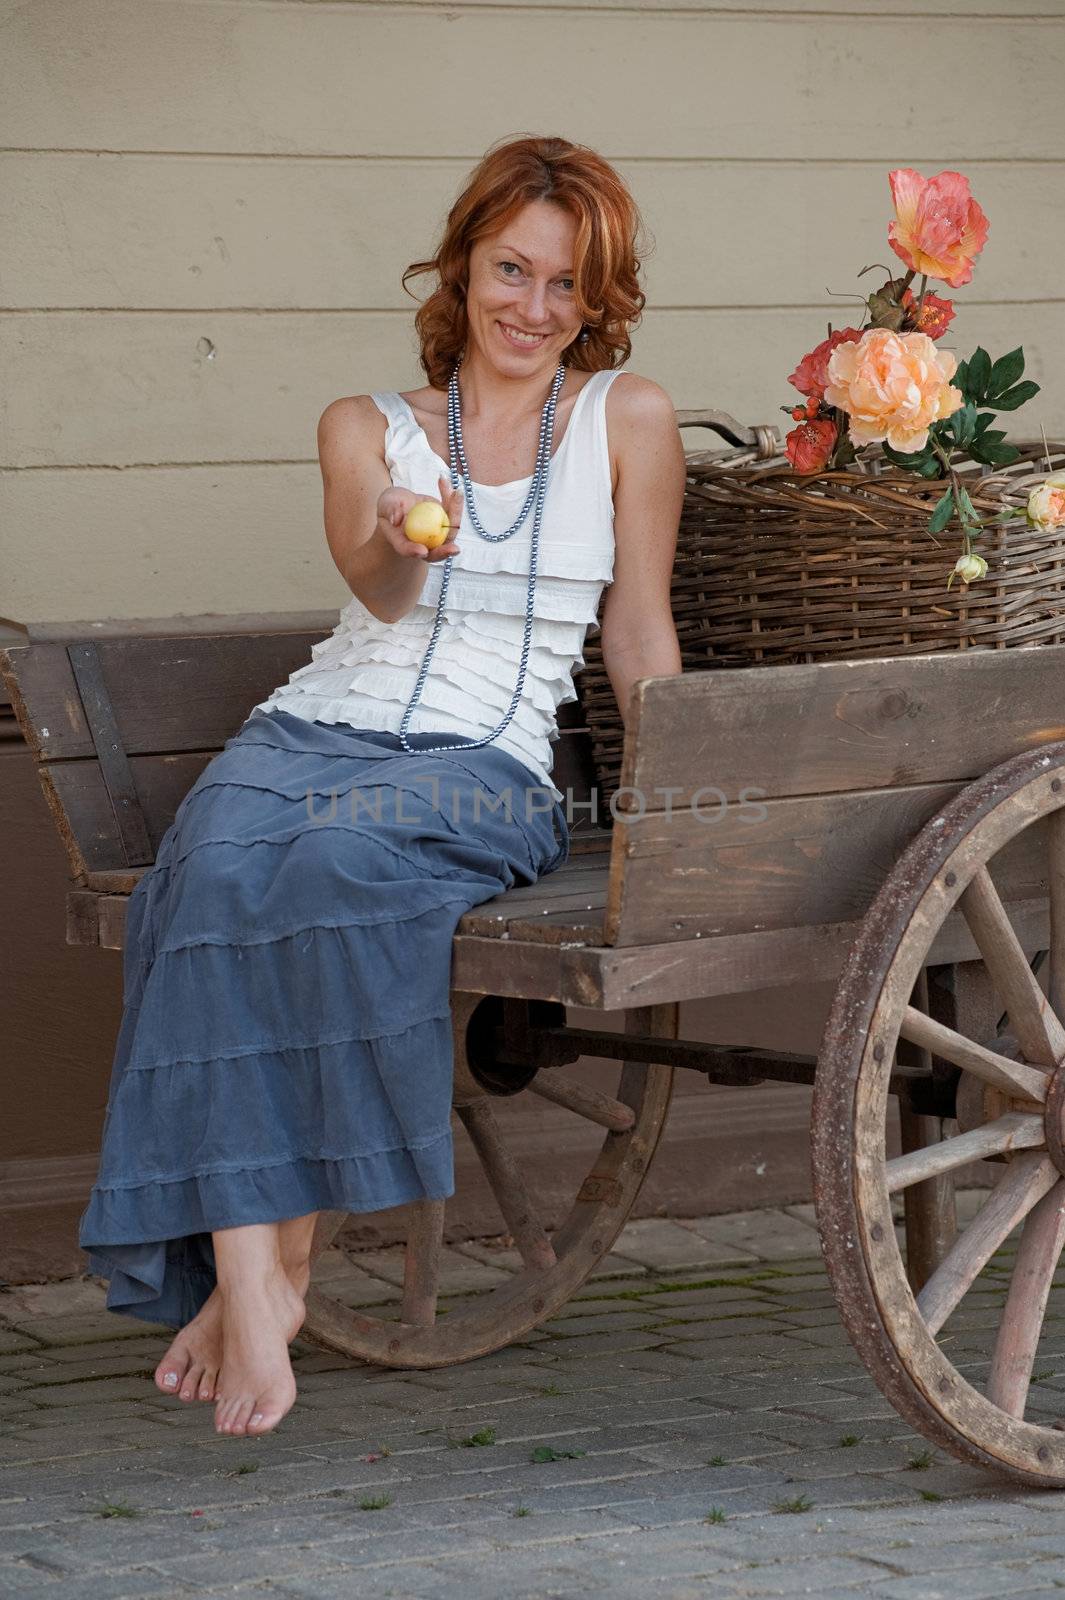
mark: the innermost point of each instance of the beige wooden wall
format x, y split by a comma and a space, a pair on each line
207, 205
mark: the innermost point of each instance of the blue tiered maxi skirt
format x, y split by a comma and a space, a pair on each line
286, 1044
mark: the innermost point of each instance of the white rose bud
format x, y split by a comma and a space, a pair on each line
969, 568
1046, 503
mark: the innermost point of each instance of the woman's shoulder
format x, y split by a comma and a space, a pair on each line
637, 411
638, 401
350, 426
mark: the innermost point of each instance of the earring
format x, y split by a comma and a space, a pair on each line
584, 337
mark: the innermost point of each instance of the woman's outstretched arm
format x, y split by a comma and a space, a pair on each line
364, 513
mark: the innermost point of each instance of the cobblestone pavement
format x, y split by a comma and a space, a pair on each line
693, 1423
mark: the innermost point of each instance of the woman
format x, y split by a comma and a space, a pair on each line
285, 1045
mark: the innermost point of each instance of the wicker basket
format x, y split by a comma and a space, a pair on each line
775, 568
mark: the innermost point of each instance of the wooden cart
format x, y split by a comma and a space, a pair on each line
898, 825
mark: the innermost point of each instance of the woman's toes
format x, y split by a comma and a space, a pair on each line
222, 1415
193, 1377
170, 1371
241, 1415
208, 1384
232, 1415
263, 1421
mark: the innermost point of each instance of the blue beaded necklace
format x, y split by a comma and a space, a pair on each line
534, 501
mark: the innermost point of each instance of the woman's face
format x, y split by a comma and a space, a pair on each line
521, 282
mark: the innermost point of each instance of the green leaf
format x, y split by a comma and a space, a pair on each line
943, 512
999, 455
912, 460
1005, 372
978, 375
984, 420
1017, 396
929, 468
967, 507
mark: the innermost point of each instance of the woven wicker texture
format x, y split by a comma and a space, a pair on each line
775, 568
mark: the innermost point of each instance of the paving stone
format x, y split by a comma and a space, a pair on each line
458, 1273
356, 1289
617, 1266
659, 1243
504, 1258
979, 1583
13, 1341
88, 1329
18, 1581
579, 1324
775, 1235
137, 1583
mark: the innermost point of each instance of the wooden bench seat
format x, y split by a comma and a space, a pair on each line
761, 808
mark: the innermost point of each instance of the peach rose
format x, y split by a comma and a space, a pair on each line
939, 228
893, 386
1046, 503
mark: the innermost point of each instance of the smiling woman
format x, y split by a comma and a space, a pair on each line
588, 270
286, 1046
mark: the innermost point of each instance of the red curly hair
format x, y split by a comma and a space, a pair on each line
607, 250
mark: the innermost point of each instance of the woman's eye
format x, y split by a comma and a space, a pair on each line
505, 264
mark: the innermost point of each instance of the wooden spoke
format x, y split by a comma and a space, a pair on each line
326, 1229
930, 1207
1029, 1178
421, 1264
1017, 1130
1056, 874
508, 1185
1012, 1076
1042, 1239
586, 1102
1041, 1035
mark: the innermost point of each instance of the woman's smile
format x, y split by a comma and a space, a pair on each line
519, 338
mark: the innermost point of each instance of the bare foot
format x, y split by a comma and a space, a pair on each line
191, 1365
255, 1386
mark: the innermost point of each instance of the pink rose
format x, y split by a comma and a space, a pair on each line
810, 375
939, 228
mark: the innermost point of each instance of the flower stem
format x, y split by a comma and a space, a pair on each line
955, 482
920, 302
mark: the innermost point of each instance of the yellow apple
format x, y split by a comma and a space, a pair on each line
427, 523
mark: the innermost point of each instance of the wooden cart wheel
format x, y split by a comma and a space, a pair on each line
555, 1265
1011, 1102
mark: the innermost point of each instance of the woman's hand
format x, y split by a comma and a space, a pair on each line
392, 510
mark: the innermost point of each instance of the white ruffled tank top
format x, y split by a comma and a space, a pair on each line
364, 674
